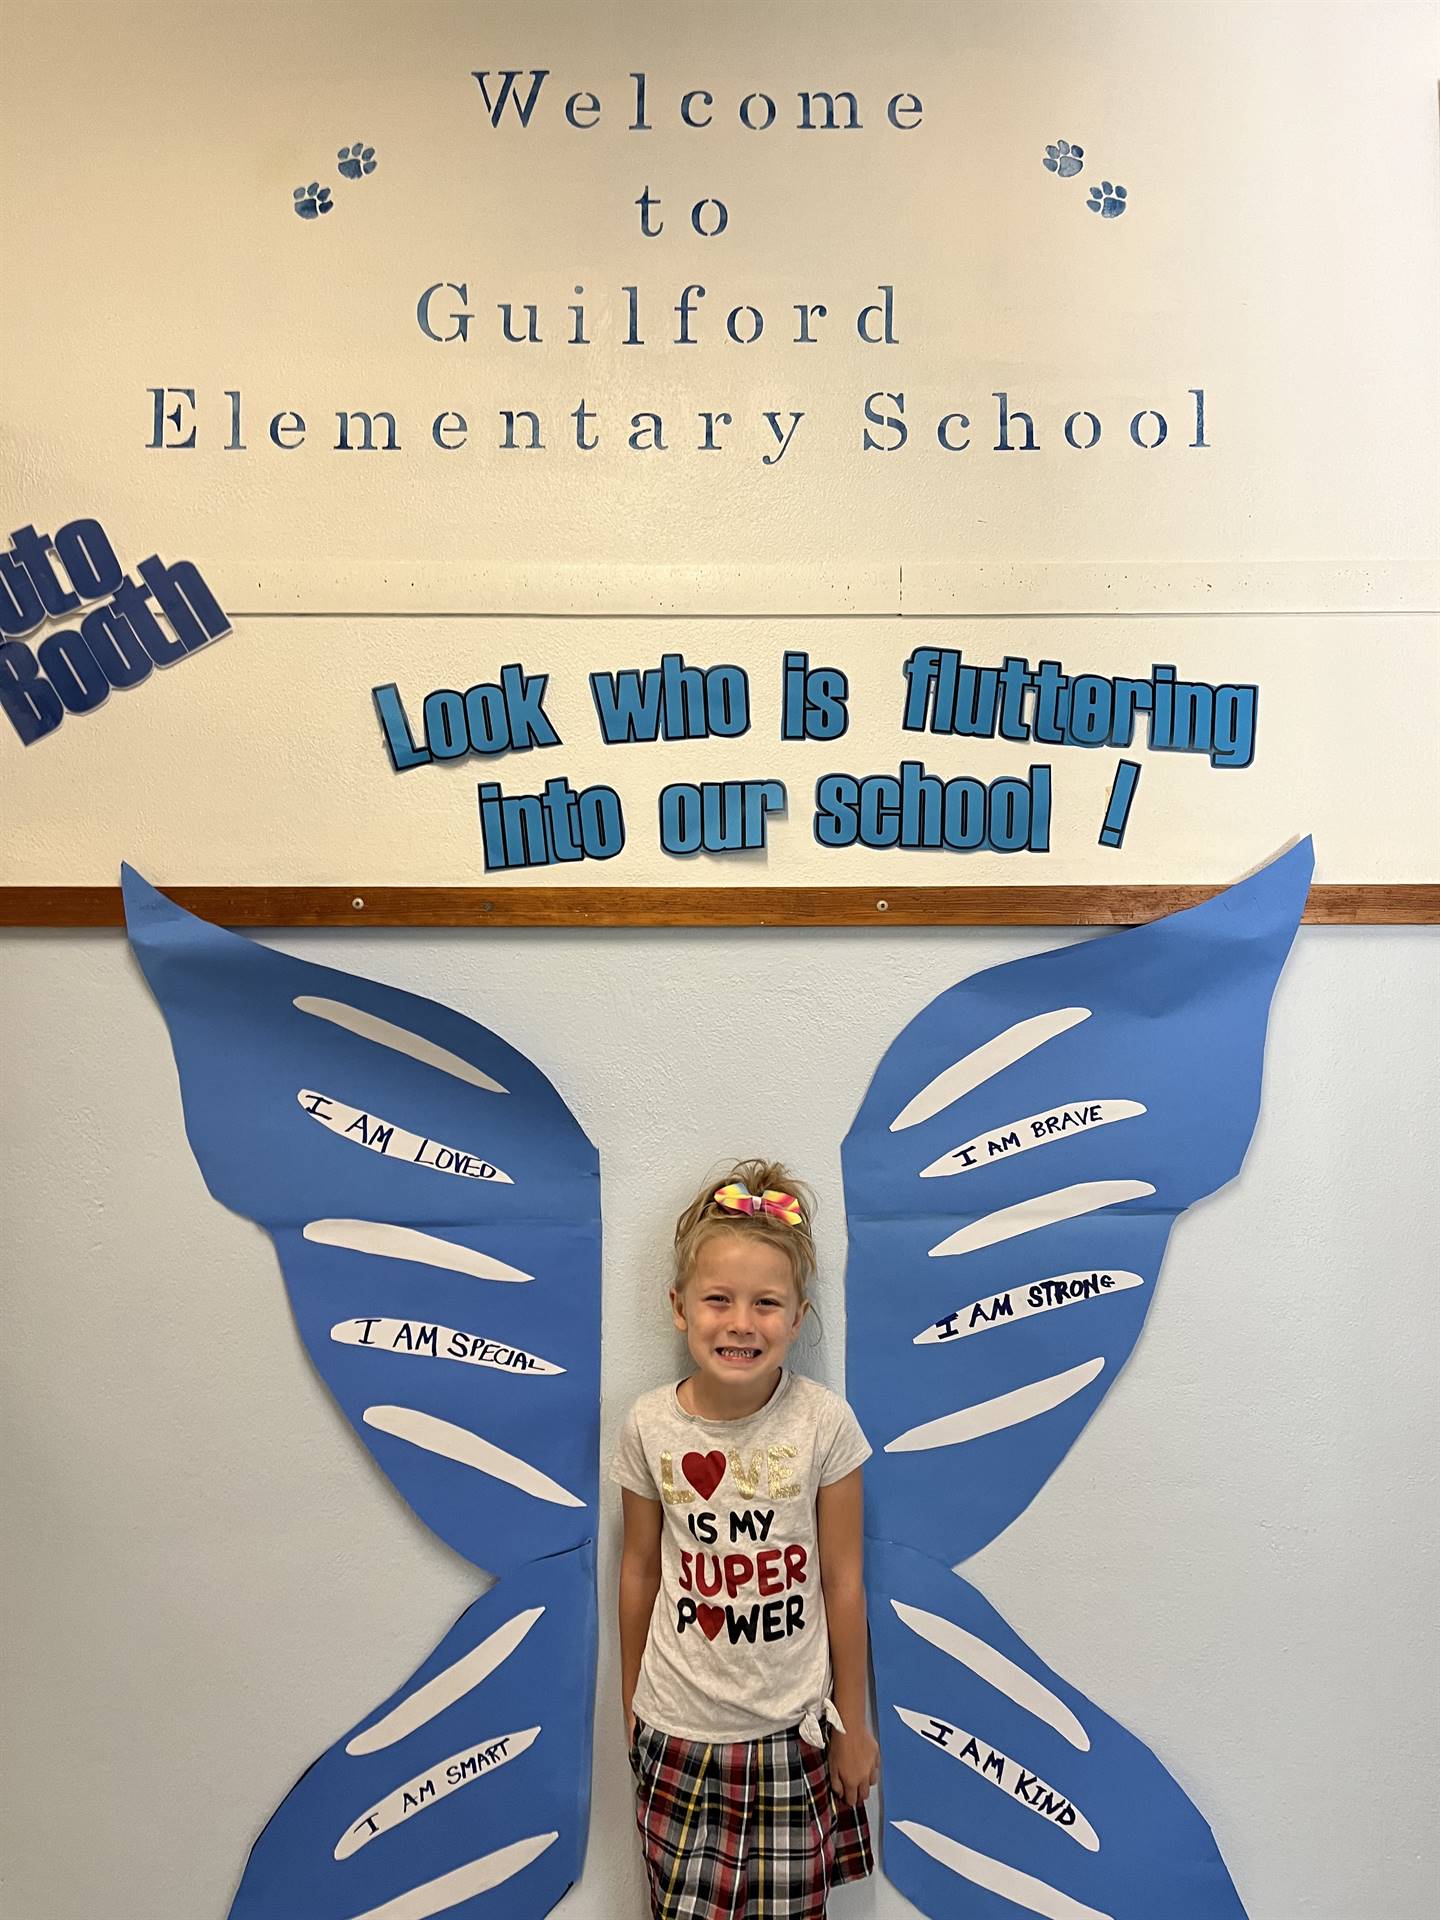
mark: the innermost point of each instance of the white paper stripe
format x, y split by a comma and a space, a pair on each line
1067, 1122
369, 1026
985, 1062
428, 1789
1044, 1210
451, 1888
1003, 1773
446, 1687
409, 1243
996, 1670
993, 1416
1016, 1303
425, 1339
996, 1876
362, 1128
468, 1449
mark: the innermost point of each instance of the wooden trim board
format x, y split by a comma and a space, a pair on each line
899, 906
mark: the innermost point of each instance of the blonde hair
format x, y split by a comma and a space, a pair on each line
705, 1217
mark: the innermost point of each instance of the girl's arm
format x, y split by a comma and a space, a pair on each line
854, 1756
639, 1584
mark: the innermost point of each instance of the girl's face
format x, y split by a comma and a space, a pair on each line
739, 1310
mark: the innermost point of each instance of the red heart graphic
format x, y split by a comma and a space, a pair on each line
711, 1620
704, 1471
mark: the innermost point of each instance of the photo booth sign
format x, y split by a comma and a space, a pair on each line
665, 459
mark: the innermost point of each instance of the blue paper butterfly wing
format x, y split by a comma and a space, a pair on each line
436, 1209
999, 1773
494, 1782
1067, 1107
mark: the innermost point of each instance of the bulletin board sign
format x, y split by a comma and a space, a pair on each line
646, 465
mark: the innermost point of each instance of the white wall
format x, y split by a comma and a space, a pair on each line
206, 1579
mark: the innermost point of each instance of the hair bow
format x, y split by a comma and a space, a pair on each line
739, 1199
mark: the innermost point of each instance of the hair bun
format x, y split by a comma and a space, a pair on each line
789, 1229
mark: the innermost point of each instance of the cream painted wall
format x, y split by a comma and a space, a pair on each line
1279, 253
206, 1580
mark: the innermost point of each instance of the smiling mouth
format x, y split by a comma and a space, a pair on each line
738, 1355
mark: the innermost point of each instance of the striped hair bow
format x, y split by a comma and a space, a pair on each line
738, 1199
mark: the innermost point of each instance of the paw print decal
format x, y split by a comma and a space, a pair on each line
1109, 202
312, 201
356, 161
1064, 159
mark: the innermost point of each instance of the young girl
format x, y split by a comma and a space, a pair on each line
742, 1613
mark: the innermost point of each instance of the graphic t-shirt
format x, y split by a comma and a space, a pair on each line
738, 1646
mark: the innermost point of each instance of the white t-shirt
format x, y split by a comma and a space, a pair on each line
738, 1645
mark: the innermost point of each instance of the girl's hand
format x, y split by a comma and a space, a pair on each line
854, 1765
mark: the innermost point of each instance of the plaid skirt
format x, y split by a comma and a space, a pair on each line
748, 1831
